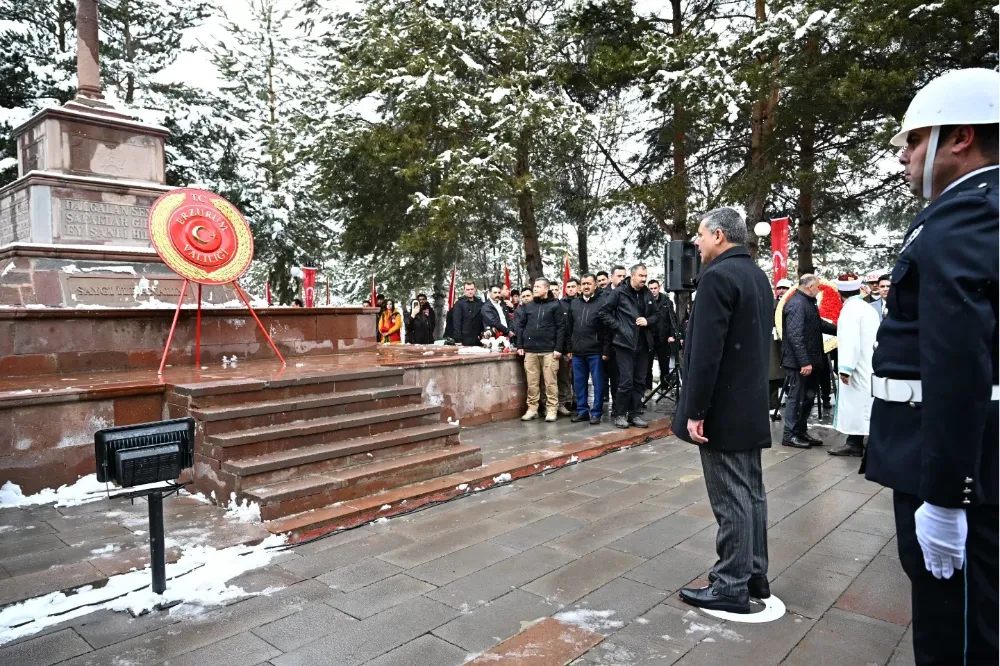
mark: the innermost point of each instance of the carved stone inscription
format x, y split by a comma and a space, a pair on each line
14, 221
120, 291
103, 222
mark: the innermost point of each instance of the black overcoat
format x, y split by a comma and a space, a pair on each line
726, 355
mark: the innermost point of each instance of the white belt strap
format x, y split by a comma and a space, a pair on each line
906, 390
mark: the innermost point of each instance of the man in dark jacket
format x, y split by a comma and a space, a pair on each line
468, 321
665, 335
801, 357
496, 314
539, 336
566, 401
723, 408
589, 344
629, 311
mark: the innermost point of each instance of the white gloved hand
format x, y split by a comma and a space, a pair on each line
941, 533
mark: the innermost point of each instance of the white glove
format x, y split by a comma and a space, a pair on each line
941, 534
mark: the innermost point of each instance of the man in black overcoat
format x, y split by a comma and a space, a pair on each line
723, 408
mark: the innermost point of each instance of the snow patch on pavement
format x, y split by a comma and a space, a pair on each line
197, 580
592, 620
245, 512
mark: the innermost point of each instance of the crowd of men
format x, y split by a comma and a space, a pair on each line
586, 343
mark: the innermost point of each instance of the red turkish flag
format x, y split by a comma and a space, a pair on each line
506, 277
309, 286
779, 248
374, 293
566, 274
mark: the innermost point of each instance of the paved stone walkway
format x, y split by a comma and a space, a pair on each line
617, 536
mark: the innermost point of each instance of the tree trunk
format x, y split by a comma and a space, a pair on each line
526, 209
762, 122
581, 246
438, 292
807, 175
129, 57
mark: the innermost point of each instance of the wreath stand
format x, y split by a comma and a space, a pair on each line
197, 334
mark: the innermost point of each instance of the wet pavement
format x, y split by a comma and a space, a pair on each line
604, 544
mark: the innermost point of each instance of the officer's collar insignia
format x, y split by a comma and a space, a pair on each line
912, 237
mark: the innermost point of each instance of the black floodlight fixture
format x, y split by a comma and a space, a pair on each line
147, 453
144, 453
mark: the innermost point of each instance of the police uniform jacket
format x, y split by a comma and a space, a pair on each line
942, 330
622, 306
726, 355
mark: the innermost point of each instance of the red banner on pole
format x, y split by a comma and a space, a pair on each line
779, 248
451, 289
267, 291
506, 277
309, 286
566, 274
373, 297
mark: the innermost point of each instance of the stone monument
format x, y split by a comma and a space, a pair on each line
73, 226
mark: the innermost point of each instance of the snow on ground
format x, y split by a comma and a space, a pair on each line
592, 620
86, 489
197, 580
246, 512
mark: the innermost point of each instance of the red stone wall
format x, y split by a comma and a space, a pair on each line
472, 389
47, 445
51, 340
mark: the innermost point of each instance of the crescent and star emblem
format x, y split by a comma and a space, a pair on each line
197, 237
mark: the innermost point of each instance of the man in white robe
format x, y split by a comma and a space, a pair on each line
857, 328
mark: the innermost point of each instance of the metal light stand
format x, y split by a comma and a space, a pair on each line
157, 547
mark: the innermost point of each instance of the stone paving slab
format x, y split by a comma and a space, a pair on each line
546, 643
439, 585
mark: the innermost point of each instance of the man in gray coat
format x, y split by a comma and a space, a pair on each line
723, 408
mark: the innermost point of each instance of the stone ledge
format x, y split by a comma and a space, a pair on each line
352, 513
168, 313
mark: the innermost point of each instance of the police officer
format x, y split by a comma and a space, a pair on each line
934, 430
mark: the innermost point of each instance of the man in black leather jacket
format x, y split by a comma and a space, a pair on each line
801, 357
630, 312
539, 337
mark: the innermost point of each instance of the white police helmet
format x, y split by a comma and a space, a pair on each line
960, 97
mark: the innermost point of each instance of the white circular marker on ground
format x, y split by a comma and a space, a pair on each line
774, 608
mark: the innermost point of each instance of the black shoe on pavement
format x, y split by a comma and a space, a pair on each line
595, 420
576, 418
847, 450
759, 587
815, 441
638, 422
796, 443
710, 598
621, 422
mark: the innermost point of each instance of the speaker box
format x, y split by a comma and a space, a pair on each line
683, 264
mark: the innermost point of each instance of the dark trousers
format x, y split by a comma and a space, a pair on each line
735, 484
611, 373
798, 402
954, 619
592, 366
662, 356
632, 366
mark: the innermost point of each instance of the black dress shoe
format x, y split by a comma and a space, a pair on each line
759, 587
815, 441
709, 597
847, 450
796, 443
595, 420
576, 418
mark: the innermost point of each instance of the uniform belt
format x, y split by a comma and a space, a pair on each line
906, 390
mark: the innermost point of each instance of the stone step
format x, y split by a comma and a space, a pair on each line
320, 490
325, 458
202, 395
300, 408
312, 426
